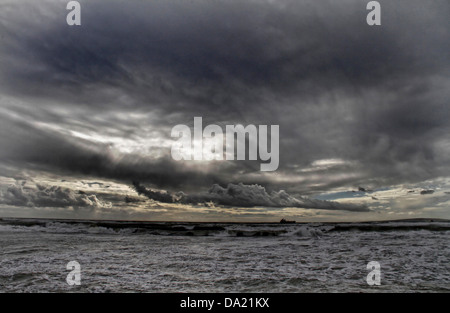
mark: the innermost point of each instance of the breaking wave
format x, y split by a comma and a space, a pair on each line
211, 229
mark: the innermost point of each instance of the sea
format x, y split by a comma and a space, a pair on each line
163, 257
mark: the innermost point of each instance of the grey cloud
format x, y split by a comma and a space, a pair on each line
241, 195
338, 88
29, 194
46, 150
224, 48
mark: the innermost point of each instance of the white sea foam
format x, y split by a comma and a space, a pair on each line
233, 257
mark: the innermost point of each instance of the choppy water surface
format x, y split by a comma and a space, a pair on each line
170, 257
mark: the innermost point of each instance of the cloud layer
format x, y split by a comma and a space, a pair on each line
29, 194
241, 195
356, 105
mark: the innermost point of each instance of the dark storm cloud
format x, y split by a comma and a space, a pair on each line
52, 151
338, 88
241, 195
218, 48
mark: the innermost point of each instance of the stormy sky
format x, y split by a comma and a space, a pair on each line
87, 111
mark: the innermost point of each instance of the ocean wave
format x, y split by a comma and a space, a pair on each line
392, 226
162, 229
210, 229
